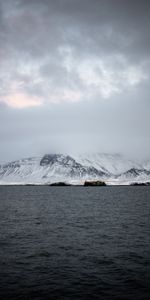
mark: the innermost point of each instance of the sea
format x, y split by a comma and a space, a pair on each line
72, 243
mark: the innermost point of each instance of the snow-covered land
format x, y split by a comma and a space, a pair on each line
113, 169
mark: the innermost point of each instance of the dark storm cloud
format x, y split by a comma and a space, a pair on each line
74, 75
103, 22
44, 41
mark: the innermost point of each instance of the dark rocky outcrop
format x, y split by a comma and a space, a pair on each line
140, 184
94, 183
60, 184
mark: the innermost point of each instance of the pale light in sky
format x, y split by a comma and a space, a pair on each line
74, 76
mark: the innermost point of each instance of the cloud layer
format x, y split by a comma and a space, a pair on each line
82, 68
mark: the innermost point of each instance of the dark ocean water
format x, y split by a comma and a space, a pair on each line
75, 243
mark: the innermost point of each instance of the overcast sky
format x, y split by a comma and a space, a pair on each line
74, 77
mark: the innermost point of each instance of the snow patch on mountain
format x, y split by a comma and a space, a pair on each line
111, 163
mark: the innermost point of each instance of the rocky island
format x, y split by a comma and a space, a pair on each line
94, 183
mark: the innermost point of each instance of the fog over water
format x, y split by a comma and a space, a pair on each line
74, 77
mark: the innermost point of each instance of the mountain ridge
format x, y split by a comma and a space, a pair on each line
113, 168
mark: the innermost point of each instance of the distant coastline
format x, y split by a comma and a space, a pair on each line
85, 184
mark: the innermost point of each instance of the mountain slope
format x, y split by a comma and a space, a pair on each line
111, 163
137, 175
114, 169
50, 168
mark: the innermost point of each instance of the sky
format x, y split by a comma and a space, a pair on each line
74, 77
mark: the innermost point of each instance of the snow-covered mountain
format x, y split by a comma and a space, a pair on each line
114, 169
112, 163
